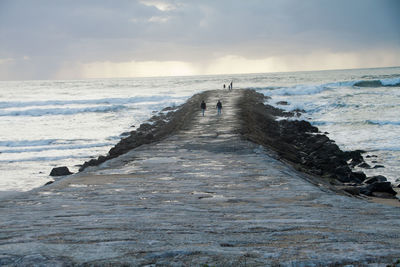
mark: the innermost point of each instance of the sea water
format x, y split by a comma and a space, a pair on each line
45, 124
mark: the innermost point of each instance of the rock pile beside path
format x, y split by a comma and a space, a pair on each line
296, 141
300, 143
167, 122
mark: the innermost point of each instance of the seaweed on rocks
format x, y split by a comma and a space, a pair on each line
165, 123
298, 142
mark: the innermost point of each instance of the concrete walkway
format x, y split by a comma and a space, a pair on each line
203, 196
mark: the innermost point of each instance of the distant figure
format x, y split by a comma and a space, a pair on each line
203, 107
231, 86
224, 86
219, 107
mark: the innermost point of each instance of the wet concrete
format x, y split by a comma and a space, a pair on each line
203, 196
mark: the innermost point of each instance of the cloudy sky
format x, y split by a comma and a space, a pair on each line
62, 39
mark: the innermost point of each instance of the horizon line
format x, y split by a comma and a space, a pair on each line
197, 75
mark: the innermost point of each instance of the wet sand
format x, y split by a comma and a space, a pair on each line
200, 196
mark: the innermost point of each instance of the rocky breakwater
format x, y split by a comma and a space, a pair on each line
305, 147
165, 123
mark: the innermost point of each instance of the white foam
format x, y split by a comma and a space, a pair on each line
303, 89
101, 101
61, 111
53, 147
390, 82
27, 143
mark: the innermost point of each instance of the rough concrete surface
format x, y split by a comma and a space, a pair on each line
202, 196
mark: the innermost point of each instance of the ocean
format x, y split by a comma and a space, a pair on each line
50, 123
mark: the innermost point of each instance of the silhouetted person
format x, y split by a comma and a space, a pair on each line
219, 107
203, 107
224, 86
231, 86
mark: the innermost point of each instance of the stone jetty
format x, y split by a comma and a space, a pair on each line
201, 196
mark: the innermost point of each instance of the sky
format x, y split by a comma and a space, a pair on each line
63, 39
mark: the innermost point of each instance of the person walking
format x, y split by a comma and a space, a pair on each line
203, 107
219, 107
231, 86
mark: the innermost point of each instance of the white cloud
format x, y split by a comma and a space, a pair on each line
107, 69
160, 5
232, 64
204, 36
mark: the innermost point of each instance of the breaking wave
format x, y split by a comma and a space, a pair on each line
382, 122
102, 101
316, 89
378, 83
36, 112
47, 148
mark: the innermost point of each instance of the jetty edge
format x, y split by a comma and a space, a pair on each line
295, 142
166, 123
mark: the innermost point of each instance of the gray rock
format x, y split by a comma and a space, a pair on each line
377, 178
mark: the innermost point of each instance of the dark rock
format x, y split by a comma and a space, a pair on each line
125, 134
60, 171
358, 175
144, 127
49, 182
364, 165
168, 109
283, 103
355, 157
378, 187
342, 170
378, 166
377, 178
353, 190
383, 195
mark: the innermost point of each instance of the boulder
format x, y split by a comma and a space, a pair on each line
353, 190
385, 187
358, 176
364, 165
378, 166
60, 171
377, 178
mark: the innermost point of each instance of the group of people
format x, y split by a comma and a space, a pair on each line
203, 104
230, 86
203, 107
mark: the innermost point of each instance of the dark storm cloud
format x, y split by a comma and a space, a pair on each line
38, 37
